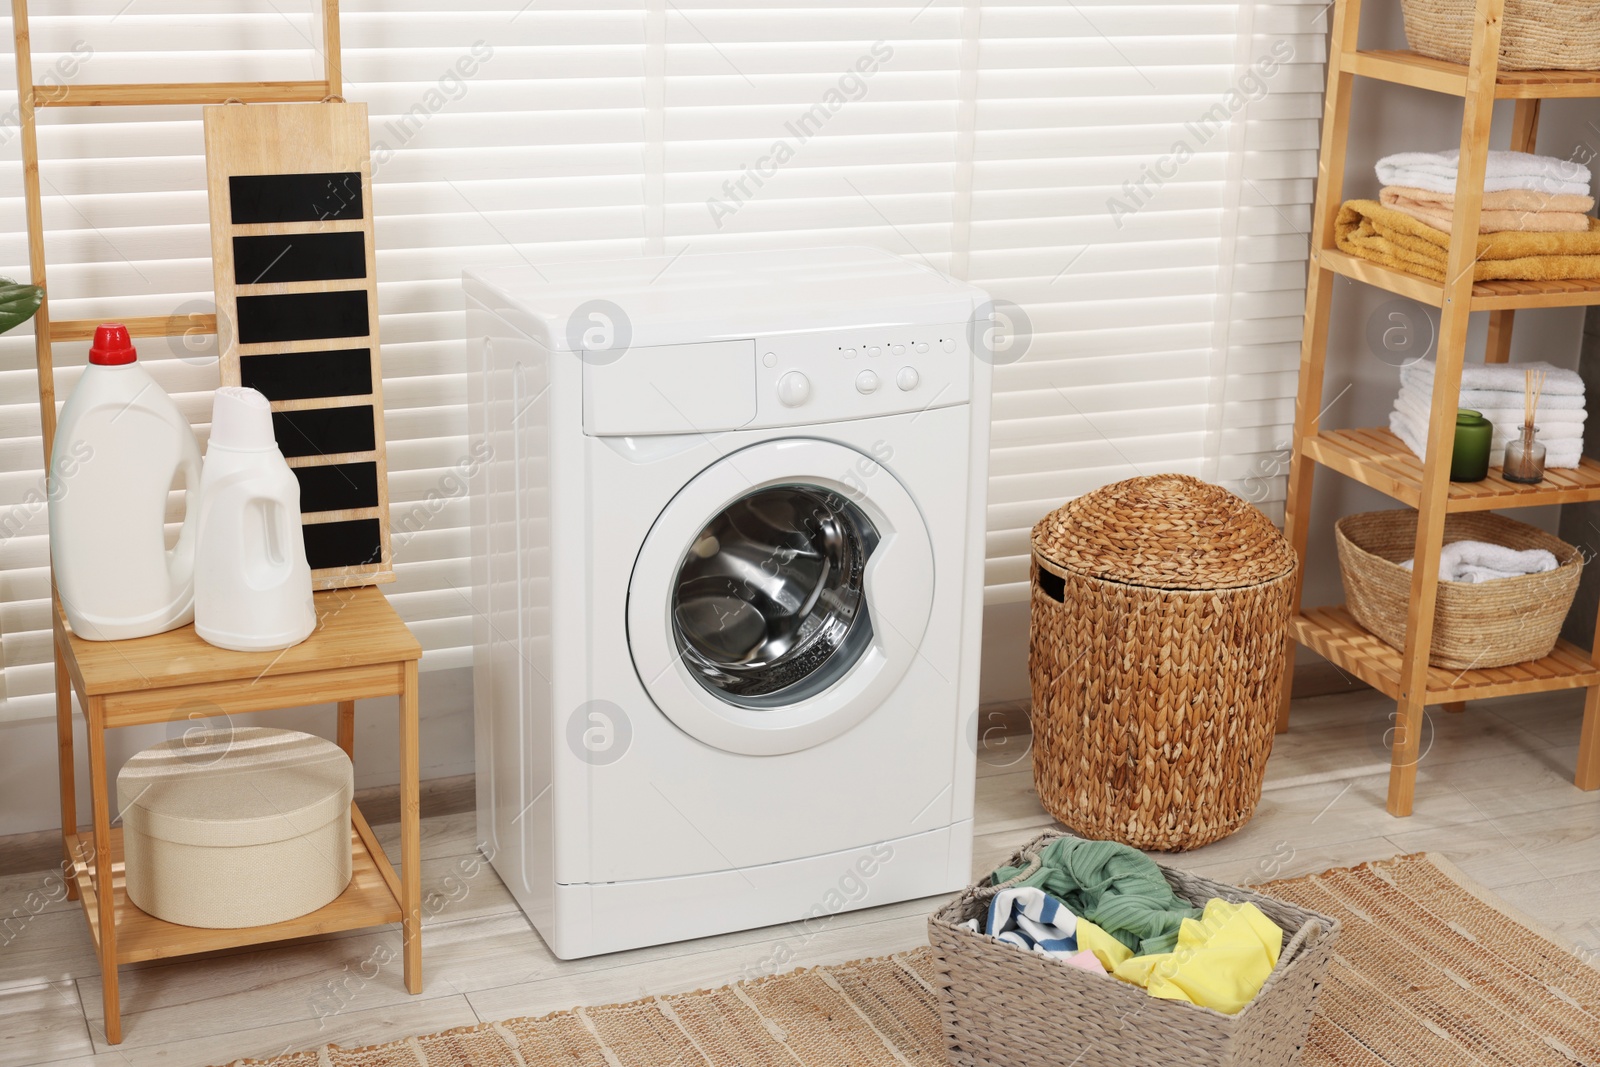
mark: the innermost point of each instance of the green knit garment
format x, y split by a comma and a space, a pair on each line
1117, 888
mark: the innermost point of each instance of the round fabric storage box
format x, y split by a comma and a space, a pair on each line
239, 827
1160, 607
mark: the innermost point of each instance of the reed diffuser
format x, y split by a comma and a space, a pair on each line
1524, 460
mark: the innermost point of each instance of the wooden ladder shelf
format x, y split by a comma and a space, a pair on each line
1375, 457
360, 649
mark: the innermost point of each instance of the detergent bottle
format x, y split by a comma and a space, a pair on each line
252, 581
113, 570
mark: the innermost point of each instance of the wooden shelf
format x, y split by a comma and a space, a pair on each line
1486, 296
1409, 68
369, 900
1379, 459
1336, 636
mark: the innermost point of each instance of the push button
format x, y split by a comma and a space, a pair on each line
873, 350
794, 389
907, 379
898, 350
866, 382
921, 347
948, 344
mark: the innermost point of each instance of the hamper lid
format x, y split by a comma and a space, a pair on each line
232, 787
1166, 531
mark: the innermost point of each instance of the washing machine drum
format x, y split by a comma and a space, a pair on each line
768, 606
771, 608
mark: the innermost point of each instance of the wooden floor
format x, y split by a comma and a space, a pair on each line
1494, 795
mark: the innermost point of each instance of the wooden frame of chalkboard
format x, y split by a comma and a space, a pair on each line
297, 313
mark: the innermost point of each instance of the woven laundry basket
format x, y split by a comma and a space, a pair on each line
1160, 607
1003, 1007
1537, 34
1489, 624
237, 827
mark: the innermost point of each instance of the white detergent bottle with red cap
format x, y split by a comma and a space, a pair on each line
115, 573
252, 587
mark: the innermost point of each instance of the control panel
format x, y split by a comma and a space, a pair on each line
860, 373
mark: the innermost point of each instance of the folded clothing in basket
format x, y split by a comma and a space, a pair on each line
1033, 920
1480, 561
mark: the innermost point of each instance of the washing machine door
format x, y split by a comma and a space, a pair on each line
781, 596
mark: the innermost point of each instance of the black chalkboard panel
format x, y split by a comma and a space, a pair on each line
290, 189
322, 431
338, 486
294, 197
303, 316
351, 543
299, 257
306, 375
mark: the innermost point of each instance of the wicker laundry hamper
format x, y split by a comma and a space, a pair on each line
1492, 624
1003, 1007
1160, 607
1537, 35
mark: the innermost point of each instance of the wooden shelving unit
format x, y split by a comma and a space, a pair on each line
1375, 457
360, 648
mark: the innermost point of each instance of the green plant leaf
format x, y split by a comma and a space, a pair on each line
18, 303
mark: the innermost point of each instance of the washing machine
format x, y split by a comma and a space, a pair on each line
728, 521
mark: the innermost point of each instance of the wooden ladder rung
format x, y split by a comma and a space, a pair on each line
162, 94
145, 326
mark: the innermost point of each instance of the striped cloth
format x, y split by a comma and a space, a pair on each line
1035, 921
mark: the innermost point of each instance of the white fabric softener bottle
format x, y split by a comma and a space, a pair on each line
252, 582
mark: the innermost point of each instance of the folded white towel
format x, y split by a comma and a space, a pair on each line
1479, 561
1561, 454
1507, 420
1571, 408
1497, 377
1436, 172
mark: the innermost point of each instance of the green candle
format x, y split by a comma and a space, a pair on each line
1469, 462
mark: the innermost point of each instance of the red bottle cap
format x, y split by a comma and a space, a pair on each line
112, 346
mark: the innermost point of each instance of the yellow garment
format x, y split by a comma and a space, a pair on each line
1221, 962
1383, 235
1107, 949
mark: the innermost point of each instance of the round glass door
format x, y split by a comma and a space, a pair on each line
768, 605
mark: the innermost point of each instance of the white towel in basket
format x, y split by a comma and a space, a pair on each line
1035, 921
1480, 561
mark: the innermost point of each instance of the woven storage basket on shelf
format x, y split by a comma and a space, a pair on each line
1538, 34
1003, 1007
1492, 624
1160, 607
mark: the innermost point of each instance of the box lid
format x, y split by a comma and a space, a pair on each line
234, 787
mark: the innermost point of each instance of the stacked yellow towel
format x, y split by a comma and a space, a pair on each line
1524, 210
1384, 235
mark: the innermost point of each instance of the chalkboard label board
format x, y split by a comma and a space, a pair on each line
291, 240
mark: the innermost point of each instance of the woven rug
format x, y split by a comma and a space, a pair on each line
1430, 970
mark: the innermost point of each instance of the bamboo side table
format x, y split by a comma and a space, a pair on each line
359, 649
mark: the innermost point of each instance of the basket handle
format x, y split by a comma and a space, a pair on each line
1304, 936
1029, 854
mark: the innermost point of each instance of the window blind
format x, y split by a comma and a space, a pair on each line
1128, 181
